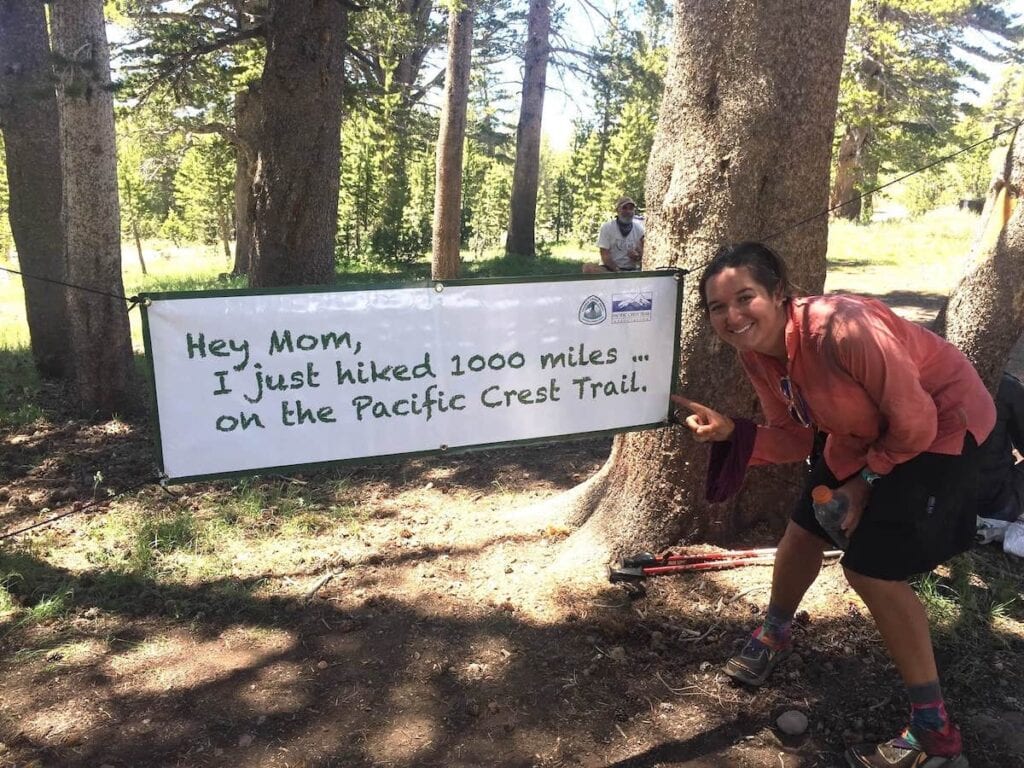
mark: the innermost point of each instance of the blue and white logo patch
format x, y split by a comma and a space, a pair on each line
632, 307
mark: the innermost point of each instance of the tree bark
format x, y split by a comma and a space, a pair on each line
849, 173
138, 246
742, 150
248, 114
28, 114
297, 169
522, 223
448, 188
100, 341
984, 317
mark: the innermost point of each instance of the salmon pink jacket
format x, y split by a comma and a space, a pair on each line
883, 388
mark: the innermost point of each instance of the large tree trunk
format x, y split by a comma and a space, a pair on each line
28, 114
985, 313
522, 221
742, 151
448, 189
297, 169
99, 340
849, 173
248, 115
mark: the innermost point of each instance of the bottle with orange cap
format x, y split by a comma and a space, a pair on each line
829, 509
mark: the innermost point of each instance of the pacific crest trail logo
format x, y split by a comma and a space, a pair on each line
632, 307
592, 311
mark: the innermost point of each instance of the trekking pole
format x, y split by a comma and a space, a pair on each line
640, 567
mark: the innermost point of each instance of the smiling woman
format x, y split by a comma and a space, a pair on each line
746, 302
902, 412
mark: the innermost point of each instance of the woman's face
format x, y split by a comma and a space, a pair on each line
744, 314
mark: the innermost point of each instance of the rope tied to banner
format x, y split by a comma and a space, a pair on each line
76, 510
132, 300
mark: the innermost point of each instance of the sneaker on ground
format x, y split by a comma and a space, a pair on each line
899, 753
756, 661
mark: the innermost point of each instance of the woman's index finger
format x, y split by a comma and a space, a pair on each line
693, 405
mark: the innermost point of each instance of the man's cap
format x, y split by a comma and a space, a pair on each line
624, 201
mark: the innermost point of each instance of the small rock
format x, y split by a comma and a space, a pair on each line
92, 613
3, 748
618, 653
405, 533
428, 486
792, 723
475, 671
508, 569
246, 740
322, 664
705, 666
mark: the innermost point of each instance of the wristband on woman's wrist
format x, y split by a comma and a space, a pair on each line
869, 477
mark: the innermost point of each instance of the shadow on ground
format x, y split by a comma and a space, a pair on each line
143, 673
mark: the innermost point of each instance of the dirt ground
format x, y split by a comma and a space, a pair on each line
453, 623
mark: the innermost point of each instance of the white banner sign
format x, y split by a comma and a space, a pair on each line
255, 381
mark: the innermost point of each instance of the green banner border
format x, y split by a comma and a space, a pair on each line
148, 297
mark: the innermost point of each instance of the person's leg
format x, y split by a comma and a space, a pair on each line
903, 623
797, 563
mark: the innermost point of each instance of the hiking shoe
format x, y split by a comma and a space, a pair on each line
899, 753
756, 661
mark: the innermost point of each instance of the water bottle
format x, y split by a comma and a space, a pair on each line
830, 509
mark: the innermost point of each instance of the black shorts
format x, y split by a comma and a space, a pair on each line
918, 516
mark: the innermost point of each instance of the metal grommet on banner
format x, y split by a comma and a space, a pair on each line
439, 287
443, 448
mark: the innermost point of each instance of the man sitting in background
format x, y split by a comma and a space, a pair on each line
1001, 495
620, 241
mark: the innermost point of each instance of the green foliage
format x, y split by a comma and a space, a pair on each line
203, 187
162, 535
19, 388
903, 78
610, 151
6, 238
147, 161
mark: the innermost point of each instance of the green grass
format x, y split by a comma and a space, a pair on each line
972, 594
27, 597
927, 253
162, 535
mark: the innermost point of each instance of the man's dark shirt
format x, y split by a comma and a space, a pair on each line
997, 496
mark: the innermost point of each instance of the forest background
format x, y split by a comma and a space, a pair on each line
919, 80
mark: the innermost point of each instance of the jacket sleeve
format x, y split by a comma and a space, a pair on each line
780, 440
883, 366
